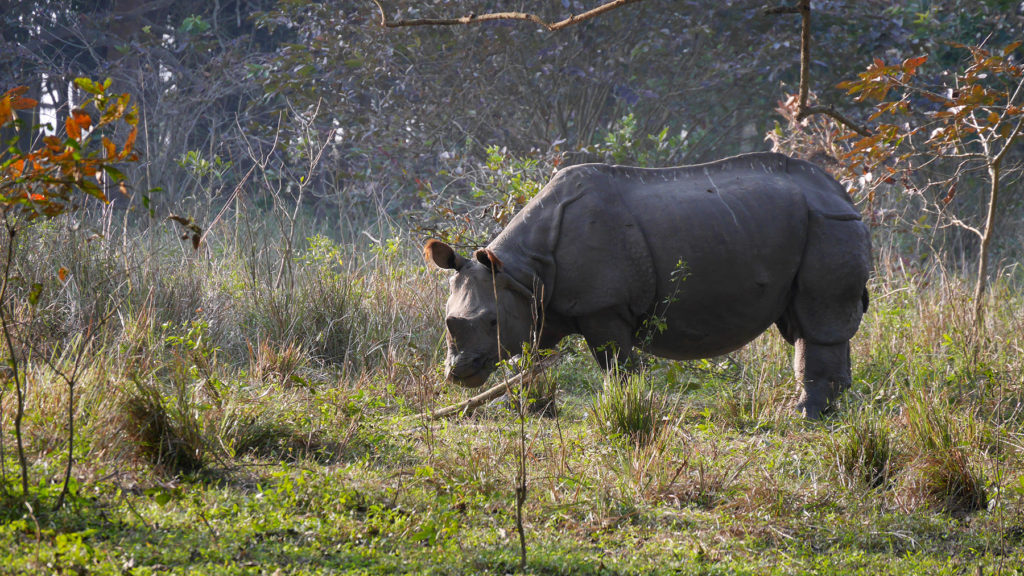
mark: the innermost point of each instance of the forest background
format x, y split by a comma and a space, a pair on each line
218, 368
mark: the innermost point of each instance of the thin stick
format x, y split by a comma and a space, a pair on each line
478, 18
466, 407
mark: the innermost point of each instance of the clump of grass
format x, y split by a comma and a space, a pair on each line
628, 407
866, 451
947, 479
949, 482
277, 364
168, 432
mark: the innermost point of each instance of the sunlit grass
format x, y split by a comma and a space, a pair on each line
241, 426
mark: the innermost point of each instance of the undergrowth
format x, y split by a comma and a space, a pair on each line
244, 420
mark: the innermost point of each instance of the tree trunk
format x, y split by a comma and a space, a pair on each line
986, 244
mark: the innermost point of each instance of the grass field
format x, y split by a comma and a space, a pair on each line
250, 409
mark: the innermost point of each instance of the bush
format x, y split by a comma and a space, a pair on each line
947, 479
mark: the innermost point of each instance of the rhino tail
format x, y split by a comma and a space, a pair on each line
864, 299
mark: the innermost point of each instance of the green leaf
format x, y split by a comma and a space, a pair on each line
114, 173
88, 85
33, 294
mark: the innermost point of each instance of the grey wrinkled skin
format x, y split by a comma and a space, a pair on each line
683, 263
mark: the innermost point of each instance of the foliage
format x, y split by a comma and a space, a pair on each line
47, 181
866, 451
948, 479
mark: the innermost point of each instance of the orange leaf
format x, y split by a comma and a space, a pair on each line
129, 142
82, 118
1011, 47
24, 103
53, 143
71, 126
910, 65
109, 147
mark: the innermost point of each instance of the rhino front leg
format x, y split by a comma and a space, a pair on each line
610, 339
824, 370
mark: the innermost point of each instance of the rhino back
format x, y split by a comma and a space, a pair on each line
711, 251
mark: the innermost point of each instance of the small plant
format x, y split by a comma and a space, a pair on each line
628, 407
947, 478
277, 364
866, 451
167, 431
949, 482
75, 165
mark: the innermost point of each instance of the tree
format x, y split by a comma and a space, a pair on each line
965, 125
57, 178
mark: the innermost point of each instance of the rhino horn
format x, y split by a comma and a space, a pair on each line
442, 255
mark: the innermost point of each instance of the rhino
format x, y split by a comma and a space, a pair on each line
683, 263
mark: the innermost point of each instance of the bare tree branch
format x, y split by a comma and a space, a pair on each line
804, 109
472, 18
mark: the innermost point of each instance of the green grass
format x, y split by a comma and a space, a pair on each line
227, 424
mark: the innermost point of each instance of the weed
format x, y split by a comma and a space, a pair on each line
947, 479
628, 407
168, 431
866, 451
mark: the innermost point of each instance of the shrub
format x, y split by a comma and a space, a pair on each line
947, 480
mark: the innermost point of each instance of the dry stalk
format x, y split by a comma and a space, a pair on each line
466, 407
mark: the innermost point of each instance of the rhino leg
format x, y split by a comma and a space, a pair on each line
824, 370
829, 299
610, 339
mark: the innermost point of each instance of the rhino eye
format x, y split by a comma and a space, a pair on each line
493, 322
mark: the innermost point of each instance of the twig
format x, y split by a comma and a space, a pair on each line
834, 114
804, 109
472, 18
466, 407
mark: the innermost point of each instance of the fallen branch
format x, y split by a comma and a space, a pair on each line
478, 18
466, 407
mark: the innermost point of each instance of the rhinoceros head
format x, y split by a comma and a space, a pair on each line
484, 303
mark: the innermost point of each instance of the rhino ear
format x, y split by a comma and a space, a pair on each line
442, 255
488, 258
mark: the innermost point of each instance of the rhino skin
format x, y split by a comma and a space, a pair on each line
684, 263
